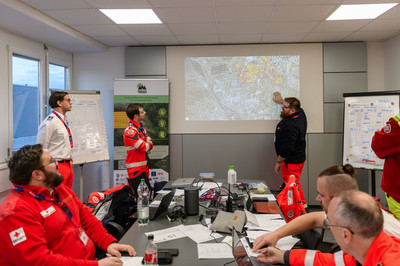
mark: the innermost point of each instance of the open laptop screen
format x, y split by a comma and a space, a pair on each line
238, 250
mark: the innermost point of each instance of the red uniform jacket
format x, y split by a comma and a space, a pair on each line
289, 200
386, 145
384, 249
137, 143
35, 230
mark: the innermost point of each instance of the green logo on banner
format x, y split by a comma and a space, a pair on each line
162, 123
162, 134
162, 111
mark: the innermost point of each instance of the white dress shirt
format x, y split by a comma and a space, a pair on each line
54, 137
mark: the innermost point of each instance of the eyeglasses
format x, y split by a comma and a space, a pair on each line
68, 100
328, 225
51, 161
285, 107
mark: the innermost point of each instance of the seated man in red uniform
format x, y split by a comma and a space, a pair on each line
330, 181
42, 222
356, 222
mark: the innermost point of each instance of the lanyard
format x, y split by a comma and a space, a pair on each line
68, 130
61, 204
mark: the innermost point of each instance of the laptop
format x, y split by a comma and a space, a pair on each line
156, 211
241, 249
183, 182
238, 250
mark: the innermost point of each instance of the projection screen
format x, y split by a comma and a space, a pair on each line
229, 88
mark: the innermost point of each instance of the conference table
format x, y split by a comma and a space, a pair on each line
136, 237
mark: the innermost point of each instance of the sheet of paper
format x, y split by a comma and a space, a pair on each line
267, 222
167, 234
198, 233
214, 251
252, 235
179, 192
132, 261
251, 220
284, 243
164, 192
228, 240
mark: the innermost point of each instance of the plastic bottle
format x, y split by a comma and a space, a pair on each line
150, 252
143, 203
232, 178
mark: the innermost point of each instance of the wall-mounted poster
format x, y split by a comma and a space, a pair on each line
153, 95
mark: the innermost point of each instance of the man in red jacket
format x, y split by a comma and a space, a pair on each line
42, 222
386, 145
137, 142
356, 222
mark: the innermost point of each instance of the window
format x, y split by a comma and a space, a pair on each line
26, 113
58, 77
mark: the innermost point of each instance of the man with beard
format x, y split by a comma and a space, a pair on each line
290, 141
42, 222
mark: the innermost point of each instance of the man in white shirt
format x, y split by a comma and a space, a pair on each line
55, 135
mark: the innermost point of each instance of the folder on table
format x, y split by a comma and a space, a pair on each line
266, 207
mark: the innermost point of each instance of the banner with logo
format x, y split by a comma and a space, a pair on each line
153, 95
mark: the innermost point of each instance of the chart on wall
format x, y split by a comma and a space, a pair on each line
364, 114
153, 95
88, 127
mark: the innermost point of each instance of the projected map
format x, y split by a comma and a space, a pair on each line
238, 88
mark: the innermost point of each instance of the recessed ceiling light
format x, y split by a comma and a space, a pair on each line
365, 11
132, 16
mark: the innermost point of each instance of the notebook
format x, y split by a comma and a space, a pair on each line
154, 212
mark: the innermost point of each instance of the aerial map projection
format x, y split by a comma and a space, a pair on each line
238, 88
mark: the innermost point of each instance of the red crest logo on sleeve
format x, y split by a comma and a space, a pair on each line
387, 129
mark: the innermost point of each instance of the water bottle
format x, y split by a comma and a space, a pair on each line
143, 203
232, 178
150, 253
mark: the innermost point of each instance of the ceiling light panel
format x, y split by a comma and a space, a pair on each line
365, 11
132, 16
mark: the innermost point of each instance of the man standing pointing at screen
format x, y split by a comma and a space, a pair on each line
290, 140
55, 135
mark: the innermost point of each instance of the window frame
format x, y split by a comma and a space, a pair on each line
45, 58
37, 55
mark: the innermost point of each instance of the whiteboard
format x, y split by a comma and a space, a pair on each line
88, 128
364, 114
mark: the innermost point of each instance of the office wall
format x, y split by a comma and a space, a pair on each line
252, 154
97, 71
392, 64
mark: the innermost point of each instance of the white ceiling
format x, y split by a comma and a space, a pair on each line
78, 25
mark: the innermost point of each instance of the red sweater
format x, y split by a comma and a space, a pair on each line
35, 230
386, 145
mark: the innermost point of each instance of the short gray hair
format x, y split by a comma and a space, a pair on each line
364, 218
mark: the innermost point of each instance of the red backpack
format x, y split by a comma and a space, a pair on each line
289, 200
